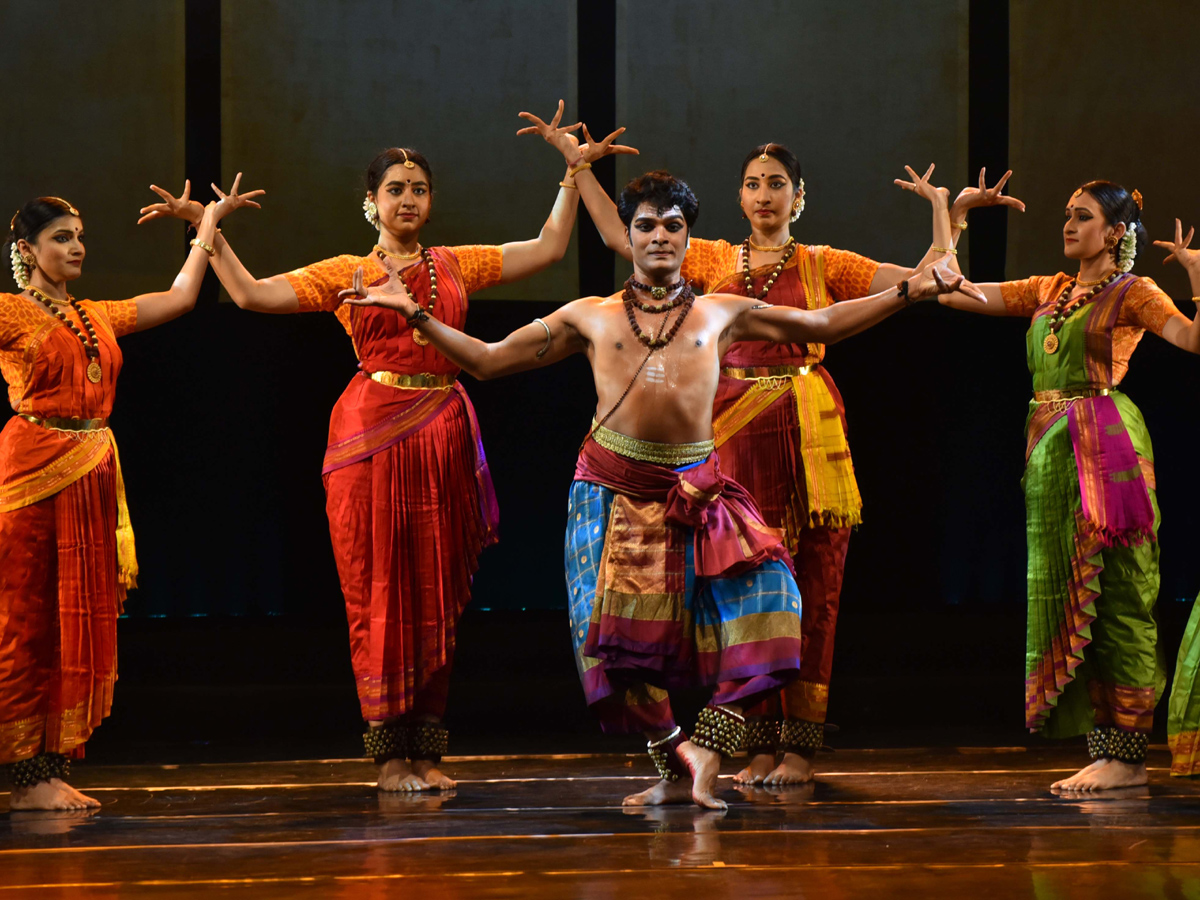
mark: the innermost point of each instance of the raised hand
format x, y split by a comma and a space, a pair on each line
181, 207
970, 197
567, 143
559, 138
593, 150
937, 279
234, 200
391, 295
921, 186
1189, 259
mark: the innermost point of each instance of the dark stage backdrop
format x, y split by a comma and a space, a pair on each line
222, 415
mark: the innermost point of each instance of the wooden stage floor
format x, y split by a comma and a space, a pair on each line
977, 823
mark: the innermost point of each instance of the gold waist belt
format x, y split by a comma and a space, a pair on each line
1070, 394
671, 455
754, 373
67, 424
1060, 401
420, 381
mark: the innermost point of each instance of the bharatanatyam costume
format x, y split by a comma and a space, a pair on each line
780, 429
674, 581
408, 492
66, 548
1092, 656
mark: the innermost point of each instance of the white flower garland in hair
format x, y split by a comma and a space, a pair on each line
19, 269
800, 208
371, 212
1128, 247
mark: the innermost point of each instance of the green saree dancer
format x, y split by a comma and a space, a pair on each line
1093, 660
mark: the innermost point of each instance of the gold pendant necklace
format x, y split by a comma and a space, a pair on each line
91, 348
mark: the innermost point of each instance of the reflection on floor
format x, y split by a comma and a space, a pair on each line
885, 823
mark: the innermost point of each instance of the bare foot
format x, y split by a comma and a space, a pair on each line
760, 767
794, 769
428, 772
661, 794
704, 765
1113, 774
52, 794
395, 775
1068, 784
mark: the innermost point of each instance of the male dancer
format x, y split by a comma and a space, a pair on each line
674, 577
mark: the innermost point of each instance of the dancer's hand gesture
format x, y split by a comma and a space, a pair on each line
937, 279
1189, 259
390, 295
233, 200
172, 207
921, 186
970, 197
567, 143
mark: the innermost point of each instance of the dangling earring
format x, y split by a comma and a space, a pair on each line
742, 208
371, 212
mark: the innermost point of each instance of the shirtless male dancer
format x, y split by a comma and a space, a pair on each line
674, 579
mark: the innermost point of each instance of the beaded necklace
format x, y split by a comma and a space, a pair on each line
789, 250
419, 339
658, 293
685, 298
1058, 315
90, 347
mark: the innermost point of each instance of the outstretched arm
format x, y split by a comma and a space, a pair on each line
579, 158
270, 295
529, 347
786, 325
1179, 331
163, 306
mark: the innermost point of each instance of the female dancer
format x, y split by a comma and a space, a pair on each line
408, 492
1091, 509
66, 546
779, 420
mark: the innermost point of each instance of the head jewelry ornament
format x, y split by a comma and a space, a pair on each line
1137, 197
408, 163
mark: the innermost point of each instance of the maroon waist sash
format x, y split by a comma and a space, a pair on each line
729, 532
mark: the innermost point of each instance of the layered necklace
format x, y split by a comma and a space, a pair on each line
91, 346
789, 250
419, 339
685, 298
1062, 306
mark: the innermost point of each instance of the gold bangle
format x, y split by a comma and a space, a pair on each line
207, 248
1196, 300
944, 250
565, 185
962, 224
574, 170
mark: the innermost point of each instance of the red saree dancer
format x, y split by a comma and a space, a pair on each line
66, 546
408, 493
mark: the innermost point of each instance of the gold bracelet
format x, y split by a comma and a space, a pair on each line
207, 248
575, 170
962, 224
1196, 300
565, 185
944, 250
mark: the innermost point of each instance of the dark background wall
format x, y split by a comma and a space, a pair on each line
222, 415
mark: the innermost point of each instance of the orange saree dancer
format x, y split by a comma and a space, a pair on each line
408, 493
66, 549
780, 430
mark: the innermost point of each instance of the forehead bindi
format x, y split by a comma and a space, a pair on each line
764, 171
